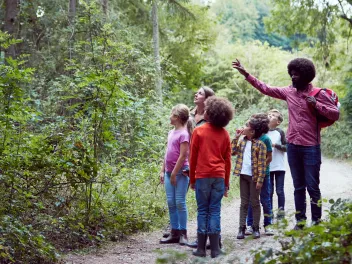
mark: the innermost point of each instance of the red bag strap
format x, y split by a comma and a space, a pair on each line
315, 92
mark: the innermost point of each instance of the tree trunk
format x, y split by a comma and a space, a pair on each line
71, 18
11, 12
104, 4
158, 79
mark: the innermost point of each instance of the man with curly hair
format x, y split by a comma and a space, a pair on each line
210, 166
303, 134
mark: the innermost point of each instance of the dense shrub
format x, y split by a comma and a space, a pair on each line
328, 242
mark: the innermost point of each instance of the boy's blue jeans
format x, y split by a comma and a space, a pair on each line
209, 192
176, 199
305, 163
265, 200
278, 177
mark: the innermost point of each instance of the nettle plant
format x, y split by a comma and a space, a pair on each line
328, 242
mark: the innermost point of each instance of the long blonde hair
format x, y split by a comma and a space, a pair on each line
182, 111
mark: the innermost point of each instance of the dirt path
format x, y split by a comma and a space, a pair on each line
335, 183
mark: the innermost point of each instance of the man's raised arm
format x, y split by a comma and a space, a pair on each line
276, 92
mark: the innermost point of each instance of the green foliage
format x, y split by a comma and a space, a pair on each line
20, 243
244, 20
328, 242
171, 256
265, 62
81, 137
333, 144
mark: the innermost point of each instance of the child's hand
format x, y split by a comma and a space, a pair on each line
173, 179
226, 191
193, 187
239, 132
162, 177
259, 185
273, 145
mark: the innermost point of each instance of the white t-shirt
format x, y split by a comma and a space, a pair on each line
247, 159
278, 162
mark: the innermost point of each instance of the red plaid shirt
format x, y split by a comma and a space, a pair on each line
302, 129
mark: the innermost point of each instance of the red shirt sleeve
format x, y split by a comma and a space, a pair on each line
276, 92
227, 159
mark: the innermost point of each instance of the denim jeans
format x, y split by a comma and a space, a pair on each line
209, 192
278, 178
176, 199
265, 200
305, 163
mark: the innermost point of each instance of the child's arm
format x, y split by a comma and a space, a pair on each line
269, 158
269, 152
261, 165
282, 146
162, 172
179, 163
235, 149
227, 159
193, 158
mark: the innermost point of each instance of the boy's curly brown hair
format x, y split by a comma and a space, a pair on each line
259, 123
219, 111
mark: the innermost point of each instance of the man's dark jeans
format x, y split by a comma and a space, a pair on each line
277, 178
305, 163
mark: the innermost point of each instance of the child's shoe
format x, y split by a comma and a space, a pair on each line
241, 231
183, 238
215, 245
202, 240
269, 231
249, 231
174, 237
256, 233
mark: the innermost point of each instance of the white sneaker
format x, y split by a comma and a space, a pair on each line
249, 231
269, 231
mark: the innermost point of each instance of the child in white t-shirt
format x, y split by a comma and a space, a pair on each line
277, 165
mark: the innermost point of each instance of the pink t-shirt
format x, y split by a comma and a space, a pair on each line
174, 140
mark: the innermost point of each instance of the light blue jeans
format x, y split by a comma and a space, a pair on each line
176, 199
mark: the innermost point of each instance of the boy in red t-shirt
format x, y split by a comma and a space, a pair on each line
210, 166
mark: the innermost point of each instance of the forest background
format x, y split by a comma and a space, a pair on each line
86, 90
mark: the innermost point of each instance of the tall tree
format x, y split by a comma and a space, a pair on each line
71, 18
11, 14
158, 78
316, 19
173, 6
104, 4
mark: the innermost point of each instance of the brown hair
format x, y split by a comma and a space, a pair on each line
182, 112
259, 123
280, 117
219, 111
207, 91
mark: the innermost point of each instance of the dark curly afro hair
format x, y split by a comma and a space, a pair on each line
259, 123
304, 66
219, 111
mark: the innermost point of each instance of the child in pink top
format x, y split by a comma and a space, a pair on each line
176, 183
